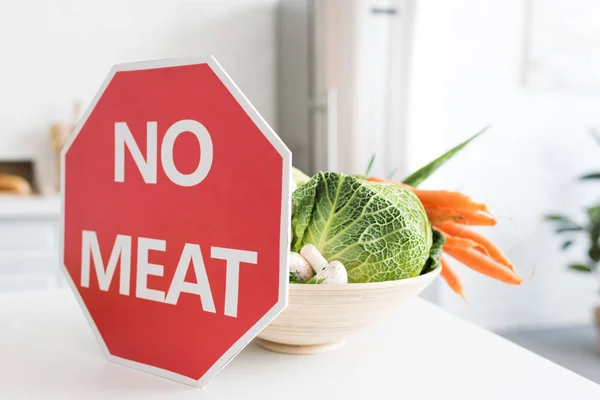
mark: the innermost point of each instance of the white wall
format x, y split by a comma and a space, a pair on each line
523, 167
428, 86
53, 52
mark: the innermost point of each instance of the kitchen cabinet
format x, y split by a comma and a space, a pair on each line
29, 242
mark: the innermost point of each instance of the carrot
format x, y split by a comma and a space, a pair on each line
438, 216
484, 265
455, 241
439, 198
381, 180
451, 278
448, 200
479, 218
462, 231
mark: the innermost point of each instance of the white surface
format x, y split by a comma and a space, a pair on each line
524, 166
80, 41
427, 124
34, 206
49, 352
563, 49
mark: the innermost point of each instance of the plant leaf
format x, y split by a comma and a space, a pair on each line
587, 177
594, 253
299, 177
565, 224
556, 217
595, 232
391, 174
371, 161
567, 244
293, 279
416, 178
435, 253
594, 213
580, 268
569, 229
594, 133
313, 281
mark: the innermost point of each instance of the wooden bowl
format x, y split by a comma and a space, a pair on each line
319, 317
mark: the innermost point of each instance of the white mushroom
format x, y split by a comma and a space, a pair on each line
299, 267
334, 272
314, 257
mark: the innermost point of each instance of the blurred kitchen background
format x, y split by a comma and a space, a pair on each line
341, 80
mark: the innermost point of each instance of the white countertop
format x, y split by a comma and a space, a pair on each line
13, 206
47, 351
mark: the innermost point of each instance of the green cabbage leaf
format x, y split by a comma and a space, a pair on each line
435, 253
299, 177
379, 231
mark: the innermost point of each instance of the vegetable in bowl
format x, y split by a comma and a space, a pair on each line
379, 229
379, 232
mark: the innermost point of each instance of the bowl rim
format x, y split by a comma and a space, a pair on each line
428, 277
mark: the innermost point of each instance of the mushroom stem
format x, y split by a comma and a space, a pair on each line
314, 257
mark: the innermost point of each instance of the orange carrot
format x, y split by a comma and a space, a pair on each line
448, 200
438, 216
451, 278
462, 231
455, 241
484, 265
480, 218
439, 198
380, 180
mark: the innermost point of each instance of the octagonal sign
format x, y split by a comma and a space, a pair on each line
176, 215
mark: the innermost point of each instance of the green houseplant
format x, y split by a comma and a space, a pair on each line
588, 231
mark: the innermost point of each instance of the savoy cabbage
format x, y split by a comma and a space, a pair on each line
379, 231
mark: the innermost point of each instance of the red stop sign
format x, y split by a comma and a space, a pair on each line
176, 218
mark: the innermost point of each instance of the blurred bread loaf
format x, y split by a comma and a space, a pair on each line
14, 184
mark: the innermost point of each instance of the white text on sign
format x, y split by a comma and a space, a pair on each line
191, 254
148, 166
